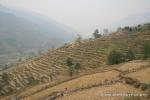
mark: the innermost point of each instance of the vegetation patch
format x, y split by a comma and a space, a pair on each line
146, 49
115, 57
32, 81
74, 66
130, 55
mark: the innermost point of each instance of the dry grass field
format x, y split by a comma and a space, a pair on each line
98, 93
143, 75
133, 65
83, 82
90, 86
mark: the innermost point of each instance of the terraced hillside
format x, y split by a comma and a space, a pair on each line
93, 86
118, 88
51, 69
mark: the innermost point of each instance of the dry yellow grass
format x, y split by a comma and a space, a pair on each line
81, 82
51, 66
133, 65
143, 75
37, 88
97, 93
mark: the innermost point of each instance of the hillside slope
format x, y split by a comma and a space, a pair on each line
24, 31
93, 86
52, 67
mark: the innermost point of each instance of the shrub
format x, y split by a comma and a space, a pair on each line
5, 78
65, 45
33, 81
144, 87
96, 34
115, 57
71, 71
74, 66
79, 38
130, 55
77, 66
146, 50
69, 61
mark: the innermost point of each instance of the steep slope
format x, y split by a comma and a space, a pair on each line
52, 67
117, 88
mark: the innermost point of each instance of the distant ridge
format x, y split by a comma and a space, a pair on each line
21, 31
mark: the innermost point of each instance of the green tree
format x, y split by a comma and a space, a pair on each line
130, 55
69, 61
146, 50
79, 38
74, 66
105, 31
77, 66
96, 34
115, 57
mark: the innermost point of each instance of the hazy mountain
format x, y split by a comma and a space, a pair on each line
20, 31
134, 20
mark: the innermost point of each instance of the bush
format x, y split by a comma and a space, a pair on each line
115, 57
33, 81
146, 86
130, 55
69, 62
65, 45
77, 66
96, 34
74, 66
79, 38
146, 50
5, 78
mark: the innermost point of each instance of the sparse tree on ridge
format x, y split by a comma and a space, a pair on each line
96, 34
79, 38
105, 31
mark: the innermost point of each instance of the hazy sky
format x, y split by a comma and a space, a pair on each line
83, 15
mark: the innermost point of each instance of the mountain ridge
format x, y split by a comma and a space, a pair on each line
44, 31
